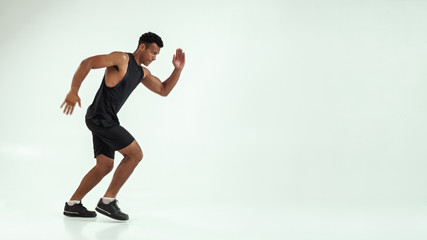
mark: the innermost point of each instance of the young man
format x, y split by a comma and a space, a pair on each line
123, 73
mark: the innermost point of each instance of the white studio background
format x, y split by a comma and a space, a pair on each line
281, 103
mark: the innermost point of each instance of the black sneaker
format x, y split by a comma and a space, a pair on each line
111, 210
78, 210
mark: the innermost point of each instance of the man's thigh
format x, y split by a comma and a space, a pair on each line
115, 136
100, 147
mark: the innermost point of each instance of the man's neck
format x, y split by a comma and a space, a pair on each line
137, 56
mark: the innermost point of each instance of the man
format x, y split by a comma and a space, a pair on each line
123, 74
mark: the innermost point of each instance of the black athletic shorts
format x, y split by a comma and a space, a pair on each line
108, 137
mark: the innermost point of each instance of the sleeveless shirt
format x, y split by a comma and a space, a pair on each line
109, 100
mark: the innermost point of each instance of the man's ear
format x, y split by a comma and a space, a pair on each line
142, 46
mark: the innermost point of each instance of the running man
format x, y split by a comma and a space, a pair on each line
123, 74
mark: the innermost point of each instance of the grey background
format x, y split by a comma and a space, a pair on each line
281, 103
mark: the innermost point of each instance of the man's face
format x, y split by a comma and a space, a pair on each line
150, 53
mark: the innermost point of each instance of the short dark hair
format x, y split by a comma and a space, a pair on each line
148, 38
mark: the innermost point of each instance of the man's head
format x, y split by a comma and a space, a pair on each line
149, 45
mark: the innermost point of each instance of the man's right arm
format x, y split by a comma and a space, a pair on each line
99, 61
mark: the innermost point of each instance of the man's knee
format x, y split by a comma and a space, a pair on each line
104, 164
139, 156
133, 152
108, 168
136, 156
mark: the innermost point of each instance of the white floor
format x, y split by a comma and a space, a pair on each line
170, 219
34, 191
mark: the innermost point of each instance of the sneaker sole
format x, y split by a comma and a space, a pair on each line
76, 214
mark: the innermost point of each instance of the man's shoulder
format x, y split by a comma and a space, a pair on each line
121, 56
146, 72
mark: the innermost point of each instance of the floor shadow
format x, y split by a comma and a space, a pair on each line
74, 226
103, 228
113, 230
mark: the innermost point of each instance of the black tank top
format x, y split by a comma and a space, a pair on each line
109, 100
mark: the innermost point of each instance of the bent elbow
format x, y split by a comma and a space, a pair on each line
163, 91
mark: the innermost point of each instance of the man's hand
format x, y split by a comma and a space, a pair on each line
70, 102
179, 59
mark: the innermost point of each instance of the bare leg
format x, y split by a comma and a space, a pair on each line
103, 166
132, 156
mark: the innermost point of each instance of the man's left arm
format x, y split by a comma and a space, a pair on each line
164, 88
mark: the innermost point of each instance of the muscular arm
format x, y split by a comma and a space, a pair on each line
161, 88
164, 88
100, 61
